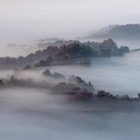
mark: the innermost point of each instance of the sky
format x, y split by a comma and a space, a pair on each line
35, 19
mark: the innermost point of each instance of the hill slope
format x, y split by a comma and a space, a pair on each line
128, 31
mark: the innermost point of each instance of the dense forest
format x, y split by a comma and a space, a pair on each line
75, 52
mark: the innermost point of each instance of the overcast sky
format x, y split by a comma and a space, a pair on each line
32, 19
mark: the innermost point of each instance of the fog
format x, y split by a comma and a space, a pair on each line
23, 20
34, 112
31, 109
118, 75
37, 114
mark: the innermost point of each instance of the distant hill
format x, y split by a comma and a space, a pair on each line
128, 31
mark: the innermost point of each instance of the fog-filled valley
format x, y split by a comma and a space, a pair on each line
56, 102
35, 114
118, 75
69, 70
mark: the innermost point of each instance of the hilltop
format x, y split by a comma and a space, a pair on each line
128, 31
73, 53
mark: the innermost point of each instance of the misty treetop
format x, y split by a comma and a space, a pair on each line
73, 53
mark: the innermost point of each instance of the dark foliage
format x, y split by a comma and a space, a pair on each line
53, 75
72, 53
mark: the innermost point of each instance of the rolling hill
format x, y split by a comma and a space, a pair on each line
128, 31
